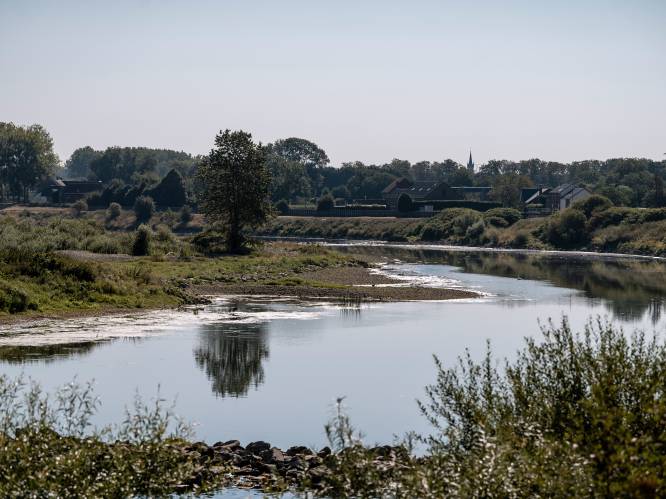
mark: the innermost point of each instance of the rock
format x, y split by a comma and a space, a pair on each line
382, 450
258, 447
299, 450
319, 473
229, 445
325, 452
313, 461
273, 456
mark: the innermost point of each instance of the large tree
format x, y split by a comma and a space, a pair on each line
305, 152
26, 156
235, 185
78, 164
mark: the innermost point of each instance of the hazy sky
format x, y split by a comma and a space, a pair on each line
366, 80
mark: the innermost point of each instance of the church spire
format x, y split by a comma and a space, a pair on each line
470, 163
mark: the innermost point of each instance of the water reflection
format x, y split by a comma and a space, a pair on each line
232, 357
630, 289
45, 353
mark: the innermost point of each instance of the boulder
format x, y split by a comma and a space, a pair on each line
257, 447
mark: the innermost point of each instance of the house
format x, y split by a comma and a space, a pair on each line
59, 191
546, 200
417, 191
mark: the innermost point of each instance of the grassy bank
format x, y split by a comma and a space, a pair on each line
587, 227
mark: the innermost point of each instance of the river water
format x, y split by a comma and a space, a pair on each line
268, 369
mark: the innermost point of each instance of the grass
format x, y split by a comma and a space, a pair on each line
606, 229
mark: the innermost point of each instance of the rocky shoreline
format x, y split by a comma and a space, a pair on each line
259, 465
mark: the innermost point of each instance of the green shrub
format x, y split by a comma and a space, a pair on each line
325, 203
567, 228
509, 215
520, 240
79, 207
475, 231
592, 205
113, 211
497, 222
144, 208
210, 242
142, 241
185, 215
282, 207
13, 300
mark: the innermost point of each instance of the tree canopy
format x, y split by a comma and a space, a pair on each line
26, 157
235, 185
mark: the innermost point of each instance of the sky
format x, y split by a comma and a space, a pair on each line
365, 80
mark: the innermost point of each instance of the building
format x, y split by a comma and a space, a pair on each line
60, 191
546, 200
417, 191
470, 163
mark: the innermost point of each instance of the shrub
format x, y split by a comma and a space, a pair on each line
567, 228
210, 242
325, 203
592, 205
282, 207
509, 215
405, 203
113, 211
79, 207
497, 222
520, 240
95, 199
186, 215
144, 208
475, 230
142, 241
13, 300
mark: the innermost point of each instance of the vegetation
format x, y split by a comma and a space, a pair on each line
325, 203
142, 241
574, 415
50, 449
26, 156
235, 186
144, 208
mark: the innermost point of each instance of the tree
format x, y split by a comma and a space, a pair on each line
289, 179
235, 185
325, 203
405, 203
78, 164
26, 156
170, 191
310, 155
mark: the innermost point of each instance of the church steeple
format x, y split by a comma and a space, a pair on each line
470, 163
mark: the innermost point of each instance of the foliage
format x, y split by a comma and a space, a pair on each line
235, 185
282, 207
144, 208
459, 203
79, 207
573, 415
509, 215
170, 191
142, 241
78, 164
325, 203
185, 215
567, 228
593, 204
50, 448
26, 156
405, 203
113, 211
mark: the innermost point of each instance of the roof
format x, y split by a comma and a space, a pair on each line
561, 191
401, 182
418, 189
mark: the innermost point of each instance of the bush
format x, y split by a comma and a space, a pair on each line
79, 207
497, 222
405, 203
210, 242
282, 207
13, 300
592, 205
475, 230
509, 215
520, 240
325, 203
185, 215
567, 228
459, 203
113, 211
144, 208
142, 241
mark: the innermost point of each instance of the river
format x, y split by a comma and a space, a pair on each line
266, 369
